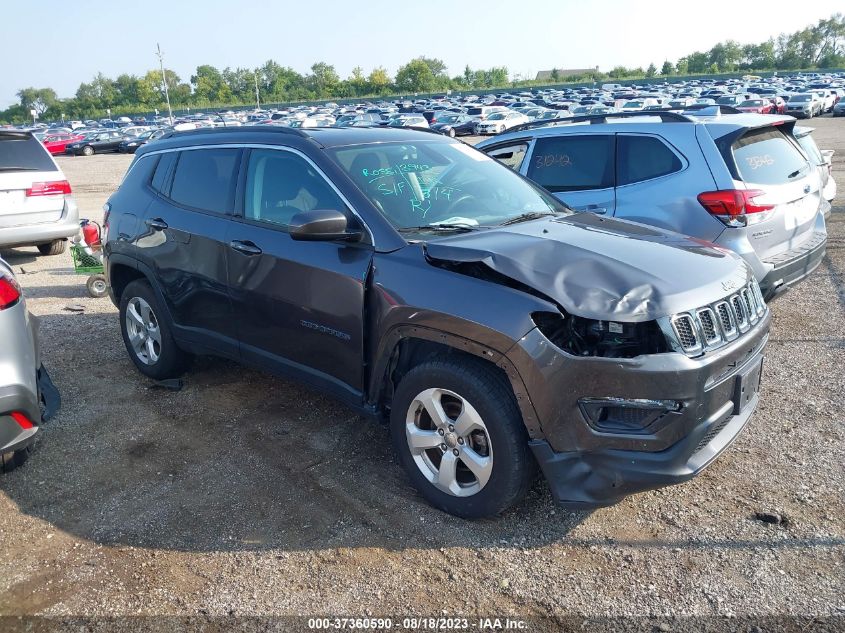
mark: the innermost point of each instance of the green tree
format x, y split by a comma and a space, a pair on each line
323, 79
651, 71
38, 99
682, 66
209, 85
378, 81
415, 76
667, 69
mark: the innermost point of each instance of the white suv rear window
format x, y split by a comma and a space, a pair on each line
21, 152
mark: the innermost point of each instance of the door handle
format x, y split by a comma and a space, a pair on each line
592, 208
246, 247
156, 224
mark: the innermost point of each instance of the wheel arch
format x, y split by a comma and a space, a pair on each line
405, 347
124, 270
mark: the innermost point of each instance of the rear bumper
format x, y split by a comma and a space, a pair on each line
792, 266
33, 234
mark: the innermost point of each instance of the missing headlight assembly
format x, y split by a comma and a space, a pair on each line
607, 339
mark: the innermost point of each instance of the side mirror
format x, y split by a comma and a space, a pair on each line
323, 225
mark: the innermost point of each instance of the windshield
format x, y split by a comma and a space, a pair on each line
448, 119
752, 103
496, 116
800, 98
633, 104
420, 184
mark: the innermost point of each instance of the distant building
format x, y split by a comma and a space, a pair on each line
563, 73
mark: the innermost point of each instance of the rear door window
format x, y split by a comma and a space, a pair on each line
20, 152
642, 158
766, 156
573, 163
205, 179
510, 155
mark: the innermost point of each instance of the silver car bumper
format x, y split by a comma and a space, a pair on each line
32, 234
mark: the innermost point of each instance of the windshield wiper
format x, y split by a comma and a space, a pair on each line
795, 173
524, 217
13, 168
440, 226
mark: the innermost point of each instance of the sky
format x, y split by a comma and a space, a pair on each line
111, 37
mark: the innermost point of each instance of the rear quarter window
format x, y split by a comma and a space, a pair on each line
24, 153
642, 158
767, 157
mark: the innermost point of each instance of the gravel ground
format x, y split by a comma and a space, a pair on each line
245, 494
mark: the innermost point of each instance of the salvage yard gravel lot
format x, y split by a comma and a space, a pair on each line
245, 494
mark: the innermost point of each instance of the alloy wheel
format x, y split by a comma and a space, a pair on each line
143, 330
449, 442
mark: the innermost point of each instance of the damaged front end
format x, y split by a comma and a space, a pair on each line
648, 368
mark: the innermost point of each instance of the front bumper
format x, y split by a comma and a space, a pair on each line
586, 467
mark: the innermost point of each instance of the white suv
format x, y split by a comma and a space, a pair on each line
36, 206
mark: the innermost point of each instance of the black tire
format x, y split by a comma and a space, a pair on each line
490, 394
56, 247
172, 361
87, 151
14, 459
452, 132
97, 286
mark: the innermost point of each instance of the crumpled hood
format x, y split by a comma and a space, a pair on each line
602, 268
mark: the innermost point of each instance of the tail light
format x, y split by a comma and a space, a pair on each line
23, 421
10, 292
736, 207
54, 188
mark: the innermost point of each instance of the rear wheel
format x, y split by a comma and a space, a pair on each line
56, 247
147, 334
13, 459
459, 435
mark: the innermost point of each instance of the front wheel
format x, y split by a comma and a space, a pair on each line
87, 151
452, 132
458, 433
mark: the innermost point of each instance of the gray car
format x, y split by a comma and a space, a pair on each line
36, 205
27, 395
738, 180
425, 285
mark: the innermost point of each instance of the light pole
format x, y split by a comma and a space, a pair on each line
257, 101
164, 81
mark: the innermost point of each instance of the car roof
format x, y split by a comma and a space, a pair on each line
271, 135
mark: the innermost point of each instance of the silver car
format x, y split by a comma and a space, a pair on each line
27, 395
738, 180
36, 205
821, 159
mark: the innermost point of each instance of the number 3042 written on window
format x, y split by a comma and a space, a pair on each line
552, 160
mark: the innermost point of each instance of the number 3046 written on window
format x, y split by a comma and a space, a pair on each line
758, 161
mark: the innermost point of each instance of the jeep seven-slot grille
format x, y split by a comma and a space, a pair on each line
712, 326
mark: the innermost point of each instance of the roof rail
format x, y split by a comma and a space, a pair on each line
376, 126
237, 128
665, 116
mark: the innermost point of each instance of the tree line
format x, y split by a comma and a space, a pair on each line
817, 46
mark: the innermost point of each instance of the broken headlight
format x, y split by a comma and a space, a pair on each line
607, 339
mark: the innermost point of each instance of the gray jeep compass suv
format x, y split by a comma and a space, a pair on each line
739, 180
420, 281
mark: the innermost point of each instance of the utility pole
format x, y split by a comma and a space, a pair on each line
257, 101
164, 81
